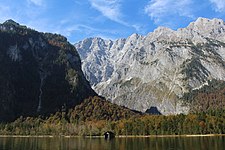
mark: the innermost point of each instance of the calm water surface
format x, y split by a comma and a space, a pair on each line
151, 143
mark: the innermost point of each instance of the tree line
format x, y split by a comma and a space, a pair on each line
211, 122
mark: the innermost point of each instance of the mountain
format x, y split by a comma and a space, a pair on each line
40, 73
158, 69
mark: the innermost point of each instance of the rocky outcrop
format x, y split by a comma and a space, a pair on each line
40, 73
157, 69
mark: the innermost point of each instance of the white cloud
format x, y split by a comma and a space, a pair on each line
109, 9
142, 29
112, 10
69, 30
86, 31
7, 12
36, 2
159, 10
219, 5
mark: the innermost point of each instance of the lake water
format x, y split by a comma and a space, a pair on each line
151, 143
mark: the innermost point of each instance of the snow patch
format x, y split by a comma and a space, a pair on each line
197, 88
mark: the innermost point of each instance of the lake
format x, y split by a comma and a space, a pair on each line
145, 143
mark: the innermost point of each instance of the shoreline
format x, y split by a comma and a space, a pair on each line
161, 136
119, 136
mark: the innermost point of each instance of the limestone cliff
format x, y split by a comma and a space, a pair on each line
156, 70
40, 72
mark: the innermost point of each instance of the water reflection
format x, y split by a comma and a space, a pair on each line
168, 143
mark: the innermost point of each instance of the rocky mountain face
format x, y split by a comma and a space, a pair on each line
156, 70
40, 73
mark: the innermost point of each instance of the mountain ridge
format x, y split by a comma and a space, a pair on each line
159, 67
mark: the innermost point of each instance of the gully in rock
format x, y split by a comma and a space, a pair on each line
43, 76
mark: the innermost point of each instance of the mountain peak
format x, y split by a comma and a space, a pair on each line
161, 28
211, 28
11, 22
205, 21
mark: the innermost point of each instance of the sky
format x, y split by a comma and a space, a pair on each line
108, 19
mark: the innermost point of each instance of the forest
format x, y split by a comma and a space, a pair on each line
84, 120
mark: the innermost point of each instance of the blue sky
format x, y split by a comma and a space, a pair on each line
110, 19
